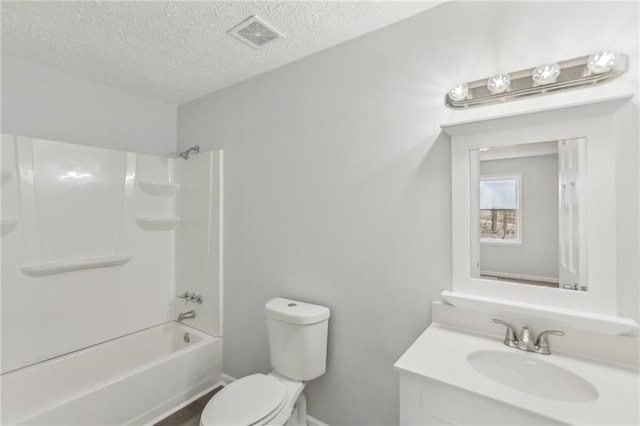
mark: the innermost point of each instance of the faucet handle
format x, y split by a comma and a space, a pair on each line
541, 345
188, 297
510, 338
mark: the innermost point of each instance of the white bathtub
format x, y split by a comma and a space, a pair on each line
129, 380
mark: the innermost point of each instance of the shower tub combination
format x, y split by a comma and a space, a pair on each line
129, 380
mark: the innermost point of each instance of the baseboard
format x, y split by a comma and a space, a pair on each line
311, 421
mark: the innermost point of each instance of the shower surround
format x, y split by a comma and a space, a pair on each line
90, 242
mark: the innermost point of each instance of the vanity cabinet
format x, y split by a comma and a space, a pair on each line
424, 401
442, 382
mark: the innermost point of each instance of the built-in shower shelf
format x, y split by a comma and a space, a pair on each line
8, 225
157, 223
162, 189
6, 176
74, 265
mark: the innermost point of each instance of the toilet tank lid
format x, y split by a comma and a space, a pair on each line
295, 312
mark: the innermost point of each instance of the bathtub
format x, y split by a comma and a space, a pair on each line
128, 380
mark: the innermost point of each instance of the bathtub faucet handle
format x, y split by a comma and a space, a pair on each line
190, 297
186, 296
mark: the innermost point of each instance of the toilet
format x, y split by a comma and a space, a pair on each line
298, 347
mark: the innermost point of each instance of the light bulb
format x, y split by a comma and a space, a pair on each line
499, 83
602, 62
546, 74
460, 92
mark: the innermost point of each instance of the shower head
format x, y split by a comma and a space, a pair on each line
185, 154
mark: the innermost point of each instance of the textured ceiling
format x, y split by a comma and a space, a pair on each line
180, 50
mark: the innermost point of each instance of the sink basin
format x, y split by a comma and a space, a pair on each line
532, 375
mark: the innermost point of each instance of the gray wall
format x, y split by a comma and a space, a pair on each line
538, 253
43, 103
337, 182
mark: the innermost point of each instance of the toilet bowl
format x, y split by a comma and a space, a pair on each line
298, 349
256, 400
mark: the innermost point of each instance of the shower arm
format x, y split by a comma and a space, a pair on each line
185, 154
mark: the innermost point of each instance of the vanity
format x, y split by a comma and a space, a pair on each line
543, 239
451, 376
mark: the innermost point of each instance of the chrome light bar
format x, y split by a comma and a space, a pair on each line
574, 73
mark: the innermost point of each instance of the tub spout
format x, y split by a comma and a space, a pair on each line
187, 315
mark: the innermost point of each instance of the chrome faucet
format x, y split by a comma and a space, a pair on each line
185, 154
540, 346
187, 315
525, 340
190, 297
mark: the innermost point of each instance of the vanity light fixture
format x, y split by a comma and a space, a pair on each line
459, 92
552, 77
601, 62
545, 74
499, 83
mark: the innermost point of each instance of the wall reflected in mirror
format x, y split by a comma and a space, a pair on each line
528, 224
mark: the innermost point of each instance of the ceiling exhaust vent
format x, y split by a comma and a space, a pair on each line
255, 32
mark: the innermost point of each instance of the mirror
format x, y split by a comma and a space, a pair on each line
527, 214
593, 213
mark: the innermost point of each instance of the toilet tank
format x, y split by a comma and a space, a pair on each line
297, 338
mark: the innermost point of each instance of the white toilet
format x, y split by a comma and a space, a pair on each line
298, 346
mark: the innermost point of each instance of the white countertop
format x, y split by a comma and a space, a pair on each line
440, 353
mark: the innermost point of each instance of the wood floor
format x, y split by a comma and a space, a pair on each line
189, 415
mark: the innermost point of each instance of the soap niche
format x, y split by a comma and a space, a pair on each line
156, 193
159, 189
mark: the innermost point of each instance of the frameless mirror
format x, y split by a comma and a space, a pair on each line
527, 219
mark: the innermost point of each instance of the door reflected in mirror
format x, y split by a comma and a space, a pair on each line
528, 224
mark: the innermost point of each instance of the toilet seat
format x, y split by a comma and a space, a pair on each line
251, 400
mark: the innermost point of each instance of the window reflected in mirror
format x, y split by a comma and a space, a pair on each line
529, 214
500, 211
